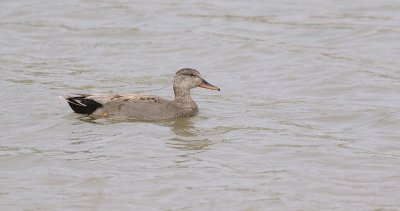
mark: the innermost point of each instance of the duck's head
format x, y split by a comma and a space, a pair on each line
188, 78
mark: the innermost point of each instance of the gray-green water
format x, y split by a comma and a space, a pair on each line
308, 116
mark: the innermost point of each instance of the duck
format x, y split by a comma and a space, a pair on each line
144, 107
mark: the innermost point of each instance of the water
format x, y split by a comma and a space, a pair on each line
307, 117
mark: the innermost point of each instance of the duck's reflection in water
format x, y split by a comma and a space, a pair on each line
187, 136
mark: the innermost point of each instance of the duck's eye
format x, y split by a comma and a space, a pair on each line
192, 75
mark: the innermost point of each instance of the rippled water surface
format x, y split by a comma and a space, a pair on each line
307, 117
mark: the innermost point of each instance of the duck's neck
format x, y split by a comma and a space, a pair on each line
182, 98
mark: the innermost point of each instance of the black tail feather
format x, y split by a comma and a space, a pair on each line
82, 105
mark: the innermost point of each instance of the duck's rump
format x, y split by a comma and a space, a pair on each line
82, 105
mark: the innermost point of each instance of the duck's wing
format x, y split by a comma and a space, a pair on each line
140, 107
94, 103
103, 99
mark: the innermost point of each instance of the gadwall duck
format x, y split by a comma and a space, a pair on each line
144, 107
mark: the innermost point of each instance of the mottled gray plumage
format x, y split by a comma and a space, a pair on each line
145, 107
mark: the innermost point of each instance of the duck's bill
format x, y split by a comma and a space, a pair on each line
206, 85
